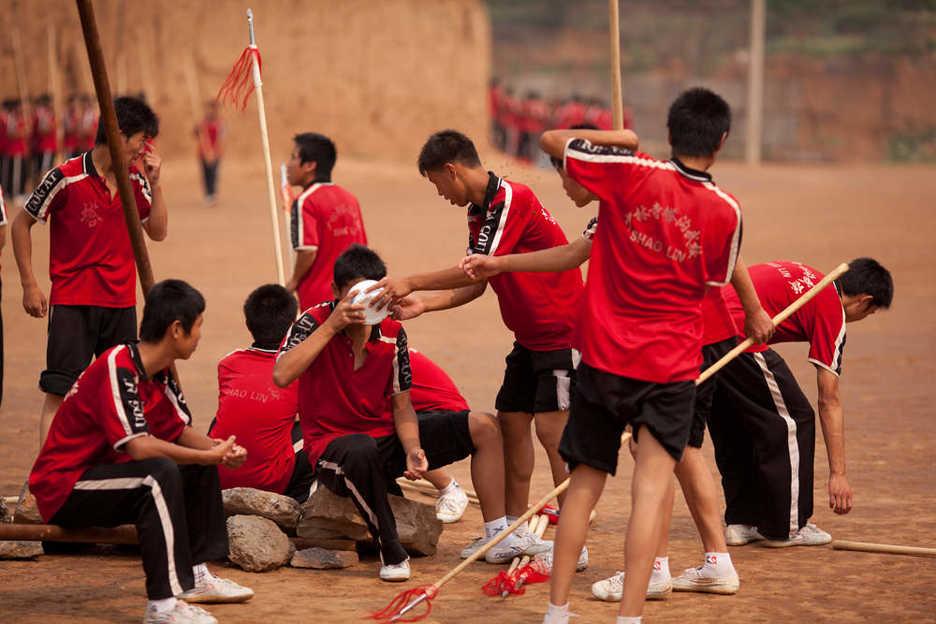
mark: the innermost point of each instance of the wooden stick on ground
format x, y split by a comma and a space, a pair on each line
427, 489
890, 549
124, 534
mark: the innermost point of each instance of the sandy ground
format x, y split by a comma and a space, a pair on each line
821, 216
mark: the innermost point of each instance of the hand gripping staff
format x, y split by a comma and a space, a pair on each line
237, 87
409, 599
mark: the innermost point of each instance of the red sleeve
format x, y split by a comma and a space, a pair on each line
308, 230
721, 242
506, 221
599, 168
121, 415
827, 327
48, 196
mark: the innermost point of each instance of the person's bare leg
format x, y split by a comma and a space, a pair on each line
50, 405
518, 460
438, 478
667, 519
583, 493
653, 474
701, 494
487, 464
549, 428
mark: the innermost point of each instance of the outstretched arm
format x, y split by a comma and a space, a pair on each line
411, 306
553, 142
396, 288
559, 258
833, 432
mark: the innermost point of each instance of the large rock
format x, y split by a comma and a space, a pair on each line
4, 511
323, 559
26, 511
257, 544
417, 525
282, 510
20, 550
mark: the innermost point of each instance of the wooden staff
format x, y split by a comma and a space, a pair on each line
56, 90
617, 101
124, 534
890, 549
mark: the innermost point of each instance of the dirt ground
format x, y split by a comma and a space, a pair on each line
819, 215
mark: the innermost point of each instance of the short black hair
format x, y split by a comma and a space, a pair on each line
317, 148
169, 301
133, 115
447, 146
269, 311
557, 162
697, 120
358, 261
866, 276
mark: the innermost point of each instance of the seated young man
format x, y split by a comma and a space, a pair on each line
260, 415
121, 450
360, 429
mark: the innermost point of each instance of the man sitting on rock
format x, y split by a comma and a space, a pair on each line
121, 450
361, 431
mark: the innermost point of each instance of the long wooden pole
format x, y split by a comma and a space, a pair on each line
55, 88
617, 102
888, 549
124, 534
755, 99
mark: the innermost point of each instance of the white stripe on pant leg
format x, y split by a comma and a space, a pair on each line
563, 384
354, 491
792, 444
165, 520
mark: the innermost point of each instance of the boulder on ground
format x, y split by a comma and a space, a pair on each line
282, 510
26, 510
20, 550
257, 544
417, 525
323, 559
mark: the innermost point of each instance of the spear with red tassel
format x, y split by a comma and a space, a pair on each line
236, 89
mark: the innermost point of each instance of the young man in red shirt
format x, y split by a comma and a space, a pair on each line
91, 260
361, 431
506, 217
325, 219
121, 450
210, 135
252, 408
762, 424
667, 233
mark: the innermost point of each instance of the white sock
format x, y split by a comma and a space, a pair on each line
164, 605
520, 530
557, 615
448, 489
494, 527
661, 567
201, 573
719, 563
628, 620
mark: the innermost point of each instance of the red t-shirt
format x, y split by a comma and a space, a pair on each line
261, 415
432, 388
111, 402
821, 322
44, 137
539, 308
90, 257
17, 134
666, 232
210, 132
326, 218
71, 137
336, 400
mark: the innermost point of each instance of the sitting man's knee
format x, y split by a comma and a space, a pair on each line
484, 427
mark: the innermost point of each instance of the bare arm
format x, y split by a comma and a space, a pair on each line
192, 439
559, 258
553, 142
157, 225
146, 447
395, 289
2, 236
833, 432
757, 323
34, 301
305, 258
411, 306
406, 424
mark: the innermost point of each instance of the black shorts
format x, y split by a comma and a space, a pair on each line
444, 436
76, 335
711, 353
536, 381
604, 404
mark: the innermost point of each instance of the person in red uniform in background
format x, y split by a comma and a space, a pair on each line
72, 120
17, 146
44, 141
88, 123
210, 134
324, 220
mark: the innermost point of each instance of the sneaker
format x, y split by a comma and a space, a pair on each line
699, 580
515, 546
545, 561
451, 506
214, 589
741, 534
395, 572
611, 588
182, 613
809, 535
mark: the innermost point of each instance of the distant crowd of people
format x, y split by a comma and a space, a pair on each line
29, 137
518, 120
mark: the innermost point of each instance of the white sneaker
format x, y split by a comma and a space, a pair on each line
182, 613
809, 535
701, 579
545, 561
214, 589
395, 572
451, 506
515, 546
610, 589
741, 534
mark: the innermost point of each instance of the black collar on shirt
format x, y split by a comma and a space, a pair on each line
375, 333
492, 186
88, 164
271, 347
689, 172
306, 187
135, 356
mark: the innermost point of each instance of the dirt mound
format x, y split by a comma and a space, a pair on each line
378, 77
